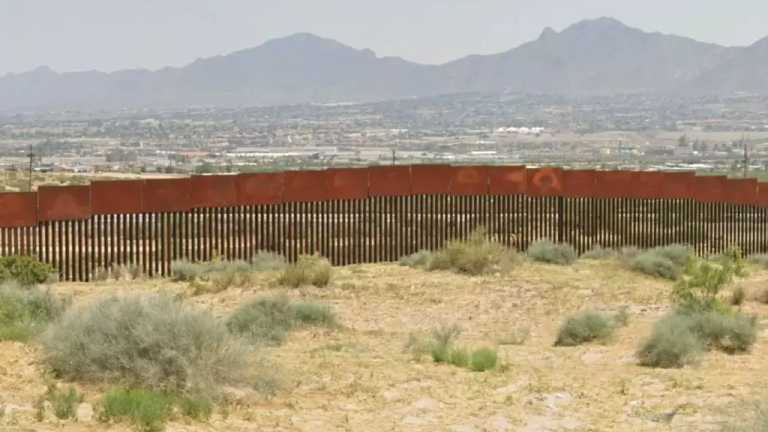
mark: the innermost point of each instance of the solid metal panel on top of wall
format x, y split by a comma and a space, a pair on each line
305, 186
431, 179
260, 188
167, 195
741, 191
678, 185
579, 183
117, 197
347, 183
710, 189
647, 184
389, 181
212, 191
18, 209
507, 180
762, 194
613, 184
543, 182
469, 180
59, 203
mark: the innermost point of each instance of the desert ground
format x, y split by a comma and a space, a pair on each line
360, 377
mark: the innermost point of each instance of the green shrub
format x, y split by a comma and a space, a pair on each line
628, 253
314, 314
420, 259
25, 270
759, 260
598, 253
665, 262
585, 327
621, 318
676, 253
672, 344
474, 256
270, 319
655, 265
147, 410
459, 357
219, 275
440, 353
195, 408
267, 261
679, 338
147, 341
734, 333
442, 342
738, 296
700, 285
307, 270
482, 360
25, 312
186, 271
63, 402
546, 251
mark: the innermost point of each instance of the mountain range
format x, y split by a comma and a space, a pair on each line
600, 56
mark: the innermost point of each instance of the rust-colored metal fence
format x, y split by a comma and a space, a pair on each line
375, 214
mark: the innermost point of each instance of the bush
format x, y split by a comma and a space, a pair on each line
598, 253
194, 408
186, 271
25, 270
25, 312
677, 339
267, 261
63, 402
738, 296
672, 344
628, 253
148, 341
676, 253
546, 251
731, 334
442, 342
655, 265
585, 327
459, 357
218, 275
665, 262
270, 319
482, 360
307, 270
420, 259
700, 285
477, 255
759, 260
145, 409
314, 314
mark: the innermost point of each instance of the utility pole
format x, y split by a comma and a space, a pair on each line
31, 157
394, 158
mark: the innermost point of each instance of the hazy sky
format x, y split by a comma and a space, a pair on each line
116, 34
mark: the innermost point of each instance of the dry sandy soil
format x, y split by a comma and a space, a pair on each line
359, 378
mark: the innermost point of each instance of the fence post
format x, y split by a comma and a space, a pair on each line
560, 219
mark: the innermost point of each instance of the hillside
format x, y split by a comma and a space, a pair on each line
590, 57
